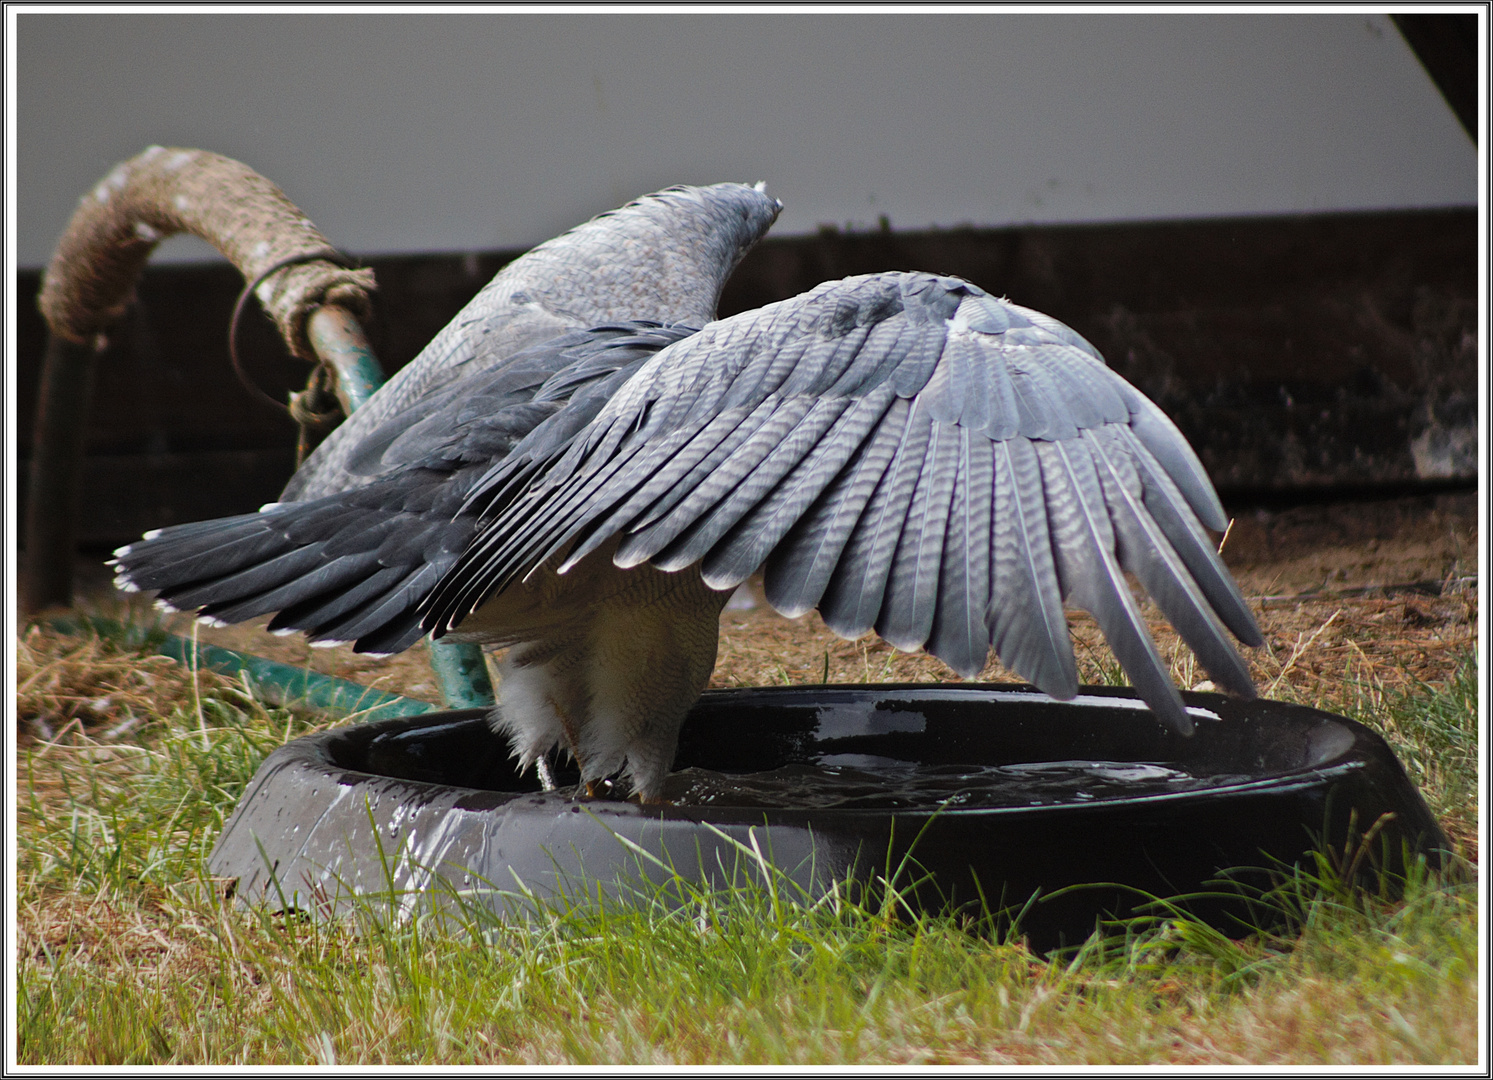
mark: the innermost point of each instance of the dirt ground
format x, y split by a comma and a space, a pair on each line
1384, 587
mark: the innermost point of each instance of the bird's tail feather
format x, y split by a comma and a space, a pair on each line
349, 567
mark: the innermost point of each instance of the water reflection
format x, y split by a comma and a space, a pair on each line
869, 782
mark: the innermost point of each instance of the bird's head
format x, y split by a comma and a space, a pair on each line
665, 256
734, 218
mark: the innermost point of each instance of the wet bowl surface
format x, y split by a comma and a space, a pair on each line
973, 797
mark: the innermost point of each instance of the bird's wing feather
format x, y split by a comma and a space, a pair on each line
799, 570
853, 599
753, 537
1089, 572
1025, 612
959, 635
903, 451
1144, 548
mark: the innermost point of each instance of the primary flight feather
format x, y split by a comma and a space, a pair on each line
583, 465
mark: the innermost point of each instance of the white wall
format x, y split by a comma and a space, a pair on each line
425, 132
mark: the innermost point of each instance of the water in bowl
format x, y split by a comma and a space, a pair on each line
862, 781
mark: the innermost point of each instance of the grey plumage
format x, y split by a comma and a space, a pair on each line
800, 571
902, 451
1027, 628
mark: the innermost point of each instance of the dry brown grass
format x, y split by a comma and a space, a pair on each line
64, 683
1322, 553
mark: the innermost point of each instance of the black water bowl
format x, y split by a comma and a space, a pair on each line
968, 795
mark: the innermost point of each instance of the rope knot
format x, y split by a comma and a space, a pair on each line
315, 410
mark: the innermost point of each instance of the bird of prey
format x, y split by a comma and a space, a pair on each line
584, 464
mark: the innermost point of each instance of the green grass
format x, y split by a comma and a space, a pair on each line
1434, 732
128, 953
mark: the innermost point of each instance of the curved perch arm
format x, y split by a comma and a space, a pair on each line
165, 190
91, 279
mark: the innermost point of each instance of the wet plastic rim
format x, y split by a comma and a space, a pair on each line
1358, 744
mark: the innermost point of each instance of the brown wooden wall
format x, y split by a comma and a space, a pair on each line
1300, 354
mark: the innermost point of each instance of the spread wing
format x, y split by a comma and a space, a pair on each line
906, 453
